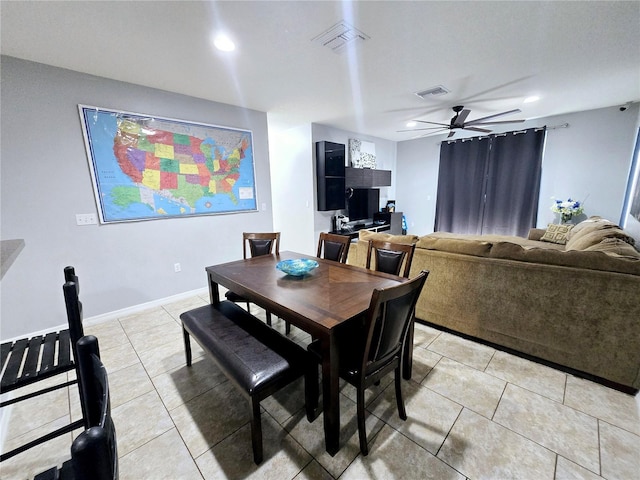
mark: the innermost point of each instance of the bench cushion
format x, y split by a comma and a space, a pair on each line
251, 354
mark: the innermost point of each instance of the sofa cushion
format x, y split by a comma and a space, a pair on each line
536, 233
366, 235
594, 260
614, 246
557, 233
455, 245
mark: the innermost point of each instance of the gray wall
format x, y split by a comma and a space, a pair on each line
588, 161
45, 182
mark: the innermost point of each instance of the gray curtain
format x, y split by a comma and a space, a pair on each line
461, 183
490, 184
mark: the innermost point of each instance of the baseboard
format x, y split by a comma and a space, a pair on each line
105, 317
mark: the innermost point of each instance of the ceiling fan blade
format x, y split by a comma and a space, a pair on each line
517, 110
461, 117
433, 123
419, 129
496, 123
476, 129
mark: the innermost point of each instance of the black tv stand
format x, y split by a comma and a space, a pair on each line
383, 222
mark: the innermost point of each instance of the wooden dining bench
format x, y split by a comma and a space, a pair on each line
257, 359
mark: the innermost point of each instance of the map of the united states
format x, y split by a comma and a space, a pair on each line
180, 166
147, 167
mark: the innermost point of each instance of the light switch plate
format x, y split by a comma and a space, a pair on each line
86, 219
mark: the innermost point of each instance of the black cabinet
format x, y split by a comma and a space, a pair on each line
367, 178
330, 175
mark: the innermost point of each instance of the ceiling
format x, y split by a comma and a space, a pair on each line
490, 55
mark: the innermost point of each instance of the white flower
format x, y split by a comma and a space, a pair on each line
568, 207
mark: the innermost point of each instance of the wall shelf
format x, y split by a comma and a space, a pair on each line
367, 178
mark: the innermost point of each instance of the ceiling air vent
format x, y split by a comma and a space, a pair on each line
432, 92
340, 36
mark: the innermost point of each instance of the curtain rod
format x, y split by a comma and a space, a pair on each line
562, 125
504, 134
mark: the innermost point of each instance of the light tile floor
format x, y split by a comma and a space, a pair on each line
474, 412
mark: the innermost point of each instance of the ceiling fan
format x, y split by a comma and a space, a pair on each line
458, 122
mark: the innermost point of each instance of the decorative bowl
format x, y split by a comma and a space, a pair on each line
297, 267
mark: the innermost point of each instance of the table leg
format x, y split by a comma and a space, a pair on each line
330, 394
407, 353
214, 292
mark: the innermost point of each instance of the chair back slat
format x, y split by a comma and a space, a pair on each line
5, 349
389, 257
336, 247
64, 347
14, 363
48, 360
260, 243
30, 367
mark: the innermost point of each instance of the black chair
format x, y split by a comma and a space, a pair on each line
389, 257
336, 247
94, 453
56, 352
259, 244
372, 347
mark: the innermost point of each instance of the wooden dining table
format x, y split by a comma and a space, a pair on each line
318, 303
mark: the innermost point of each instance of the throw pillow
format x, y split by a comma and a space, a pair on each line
556, 233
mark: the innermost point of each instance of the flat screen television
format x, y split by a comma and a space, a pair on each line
363, 203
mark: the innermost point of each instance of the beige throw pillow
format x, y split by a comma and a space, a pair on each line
556, 233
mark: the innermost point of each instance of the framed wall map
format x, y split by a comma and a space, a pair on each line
145, 167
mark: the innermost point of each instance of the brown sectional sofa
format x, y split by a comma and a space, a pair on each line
575, 305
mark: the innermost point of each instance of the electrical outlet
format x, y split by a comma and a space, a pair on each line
176, 267
86, 219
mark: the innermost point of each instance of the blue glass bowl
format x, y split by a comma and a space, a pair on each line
297, 267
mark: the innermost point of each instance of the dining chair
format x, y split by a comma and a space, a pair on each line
335, 247
29, 360
389, 257
94, 453
371, 348
258, 244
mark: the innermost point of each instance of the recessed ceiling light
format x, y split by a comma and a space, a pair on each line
533, 98
411, 124
224, 43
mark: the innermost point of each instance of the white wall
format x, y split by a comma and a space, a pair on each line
629, 223
385, 160
588, 161
45, 181
292, 175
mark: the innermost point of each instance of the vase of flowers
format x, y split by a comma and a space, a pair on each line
567, 209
